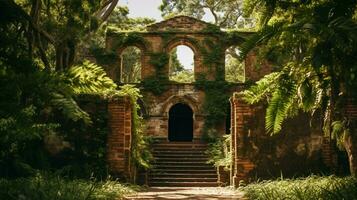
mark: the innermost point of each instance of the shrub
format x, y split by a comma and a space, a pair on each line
313, 187
49, 187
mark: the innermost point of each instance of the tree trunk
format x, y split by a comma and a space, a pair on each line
350, 144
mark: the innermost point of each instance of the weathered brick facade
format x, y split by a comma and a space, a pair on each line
299, 148
162, 37
119, 138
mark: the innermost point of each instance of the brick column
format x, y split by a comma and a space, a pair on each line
119, 138
241, 164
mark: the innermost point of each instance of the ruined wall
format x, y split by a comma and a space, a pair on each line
158, 108
119, 138
297, 150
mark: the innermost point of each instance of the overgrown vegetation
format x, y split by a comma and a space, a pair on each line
219, 152
313, 187
314, 45
50, 186
140, 152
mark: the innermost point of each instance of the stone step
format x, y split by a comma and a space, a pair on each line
180, 179
182, 175
182, 167
179, 157
182, 171
182, 159
175, 163
165, 141
183, 184
181, 164
178, 152
203, 149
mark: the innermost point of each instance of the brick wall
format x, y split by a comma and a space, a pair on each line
255, 70
119, 138
300, 149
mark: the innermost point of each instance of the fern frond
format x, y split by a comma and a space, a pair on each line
69, 108
89, 78
307, 95
339, 132
262, 89
259, 38
281, 106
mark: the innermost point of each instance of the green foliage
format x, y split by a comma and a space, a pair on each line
215, 104
212, 55
89, 78
140, 152
313, 187
125, 39
280, 91
49, 187
234, 70
184, 76
226, 14
159, 60
219, 152
155, 84
292, 39
131, 65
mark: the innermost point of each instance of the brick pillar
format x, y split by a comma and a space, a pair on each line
119, 138
241, 163
255, 69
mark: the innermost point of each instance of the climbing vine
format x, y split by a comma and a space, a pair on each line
140, 152
157, 84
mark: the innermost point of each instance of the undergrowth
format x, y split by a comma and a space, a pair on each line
312, 187
50, 187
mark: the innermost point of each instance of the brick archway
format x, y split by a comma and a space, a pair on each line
190, 43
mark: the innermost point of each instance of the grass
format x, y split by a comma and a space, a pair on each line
53, 187
312, 187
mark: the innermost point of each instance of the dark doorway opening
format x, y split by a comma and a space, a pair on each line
180, 123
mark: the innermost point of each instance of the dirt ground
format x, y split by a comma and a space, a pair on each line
200, 193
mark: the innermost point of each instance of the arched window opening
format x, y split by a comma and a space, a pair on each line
234, 68
180, 123
130, 66
181, 65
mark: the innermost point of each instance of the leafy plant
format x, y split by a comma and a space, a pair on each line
52, 187
312, 187
219, 152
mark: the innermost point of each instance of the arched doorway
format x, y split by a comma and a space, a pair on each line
180, 123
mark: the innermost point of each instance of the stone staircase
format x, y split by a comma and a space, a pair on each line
181, 164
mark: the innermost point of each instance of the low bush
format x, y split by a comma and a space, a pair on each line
50, 187
313, 187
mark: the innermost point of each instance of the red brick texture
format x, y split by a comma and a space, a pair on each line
119, 138
241, 165
299, 148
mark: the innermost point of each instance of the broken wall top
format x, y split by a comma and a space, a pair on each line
182, 24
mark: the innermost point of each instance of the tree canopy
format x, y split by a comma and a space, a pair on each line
313, 45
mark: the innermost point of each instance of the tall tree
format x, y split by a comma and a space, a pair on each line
55, 27
315, 44
226, 13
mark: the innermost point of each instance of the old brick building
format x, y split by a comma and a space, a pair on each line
175, 112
